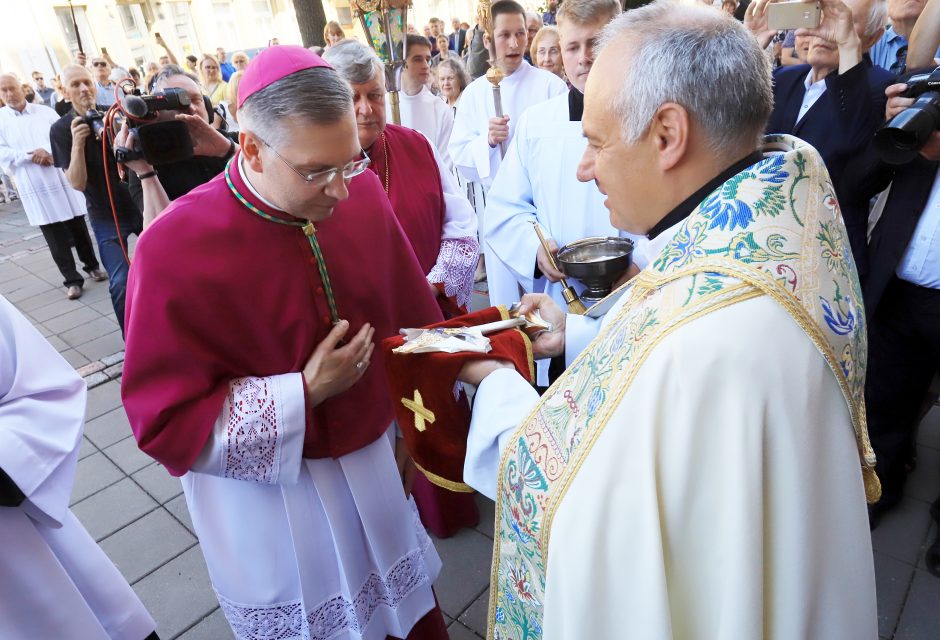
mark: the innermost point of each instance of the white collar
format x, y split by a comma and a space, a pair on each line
254, 192
651, 248
808, 81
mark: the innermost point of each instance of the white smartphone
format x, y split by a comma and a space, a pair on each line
793, 15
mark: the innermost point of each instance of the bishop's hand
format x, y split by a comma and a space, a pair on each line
547, 344
330, 370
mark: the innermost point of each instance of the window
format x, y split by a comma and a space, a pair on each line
263, 17
64, 16
129, 21
182, 21
226, 27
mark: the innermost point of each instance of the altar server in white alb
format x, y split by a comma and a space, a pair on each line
49, 201
420, 109
55, 582
701, 469
537, 181
474, 143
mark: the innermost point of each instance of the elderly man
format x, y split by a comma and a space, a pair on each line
49, 201
687, 477
537, 182
837, 100
279, 425
57, 583
890, 52
113, 215
42, 90
437, 219
104, 87
226, 67
533, 22
432, 210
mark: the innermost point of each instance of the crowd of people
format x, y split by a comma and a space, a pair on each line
701, 454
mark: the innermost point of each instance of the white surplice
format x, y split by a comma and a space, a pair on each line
315, 548
430, 115
55, 582
722, 501
460, 249
537, 182
469, 143
46, 193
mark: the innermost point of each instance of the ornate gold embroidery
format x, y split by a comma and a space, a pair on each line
422, 414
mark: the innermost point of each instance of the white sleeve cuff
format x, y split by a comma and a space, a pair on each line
579, 331
502, 401
259, 435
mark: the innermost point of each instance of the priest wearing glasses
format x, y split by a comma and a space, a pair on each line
254, 303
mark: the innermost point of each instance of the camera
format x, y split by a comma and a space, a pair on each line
95, 121
900, 140
156, 141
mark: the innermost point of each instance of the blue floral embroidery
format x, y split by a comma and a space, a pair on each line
724, 209
841, 319
597, 397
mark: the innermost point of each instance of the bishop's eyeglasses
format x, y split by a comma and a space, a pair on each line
321, 178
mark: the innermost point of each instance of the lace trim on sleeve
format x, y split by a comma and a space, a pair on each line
251, 442
456, 263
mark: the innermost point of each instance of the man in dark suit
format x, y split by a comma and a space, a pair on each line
837, 101
458, 39
902, 300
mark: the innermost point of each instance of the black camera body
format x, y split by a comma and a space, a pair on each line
95, 121
156, 141
900, 140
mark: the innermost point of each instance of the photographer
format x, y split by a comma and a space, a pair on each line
902, 299
154, 186
78, 150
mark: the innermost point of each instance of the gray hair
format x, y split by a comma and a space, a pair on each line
587, 11
354, 61
531, 15
696, 57
877, 17
167, 71
316, 96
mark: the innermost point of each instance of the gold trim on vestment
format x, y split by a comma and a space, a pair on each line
433, 478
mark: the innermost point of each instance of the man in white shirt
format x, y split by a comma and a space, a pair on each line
537, 180
420, 109
49, 201
103, 83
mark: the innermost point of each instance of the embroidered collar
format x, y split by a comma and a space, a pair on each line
687, 206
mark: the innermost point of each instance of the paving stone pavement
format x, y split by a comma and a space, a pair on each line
136, 510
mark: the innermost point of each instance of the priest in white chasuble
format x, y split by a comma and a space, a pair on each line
478, 130
55, 582
701, 469
537, 181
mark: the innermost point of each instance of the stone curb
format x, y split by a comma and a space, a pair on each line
101, 371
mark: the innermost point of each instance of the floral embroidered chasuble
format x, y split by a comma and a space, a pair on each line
773, 230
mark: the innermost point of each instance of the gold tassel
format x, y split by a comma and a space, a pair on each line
872, 485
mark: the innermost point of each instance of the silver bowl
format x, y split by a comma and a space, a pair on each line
597, 262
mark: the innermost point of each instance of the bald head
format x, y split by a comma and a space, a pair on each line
11, 91
79, 87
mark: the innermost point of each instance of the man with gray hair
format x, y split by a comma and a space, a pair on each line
277, 419
437, 219
837, 100
701, 468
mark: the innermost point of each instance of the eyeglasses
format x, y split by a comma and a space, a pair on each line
321, 178
99, 64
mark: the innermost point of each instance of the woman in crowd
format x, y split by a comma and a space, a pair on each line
211, 77
443, 52
546, 51
333, 33
231, 96
239, 61
453, 78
